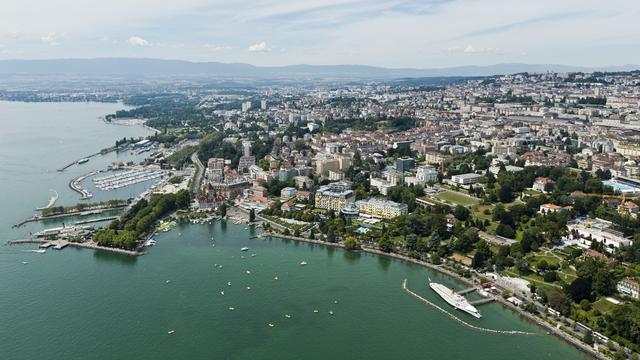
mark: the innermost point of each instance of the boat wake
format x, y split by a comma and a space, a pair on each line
503, 332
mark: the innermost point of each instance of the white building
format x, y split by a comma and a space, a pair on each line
427, 174
629, 287
465, 179
590, 230
381, 208
288, 192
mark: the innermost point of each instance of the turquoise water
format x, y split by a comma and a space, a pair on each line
80, 304
619, 186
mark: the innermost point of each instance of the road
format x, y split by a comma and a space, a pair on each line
197, 177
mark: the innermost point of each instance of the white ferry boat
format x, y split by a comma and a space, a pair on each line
454, 299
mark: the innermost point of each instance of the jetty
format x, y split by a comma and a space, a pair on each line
466, 291
52, 201
61, 244
86, 212
474, 327
81, 160
75, 185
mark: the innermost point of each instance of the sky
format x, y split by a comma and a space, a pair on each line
390, 33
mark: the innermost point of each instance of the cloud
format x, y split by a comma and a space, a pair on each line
216, 47
259, 47
138, 42
51, 39
470, 49
527, 22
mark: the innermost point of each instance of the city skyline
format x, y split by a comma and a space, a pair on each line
435, 33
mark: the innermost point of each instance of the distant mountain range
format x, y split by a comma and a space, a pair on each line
154, 68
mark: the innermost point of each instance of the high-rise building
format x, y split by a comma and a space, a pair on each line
263, 104
246, 160
215, 170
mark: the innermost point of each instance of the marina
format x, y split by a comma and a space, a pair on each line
127, 177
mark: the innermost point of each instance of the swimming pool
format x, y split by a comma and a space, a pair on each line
620, 187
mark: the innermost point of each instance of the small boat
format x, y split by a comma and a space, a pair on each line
271, 325
287, 316
330, 312
171, 332
248, 272
315, 311
221, 292
229, 283
231, 308
335, 301
83, 161
242, 257
214, 245
275, 278
303, 263
149, 243
248, 287
245, 248
24, 263
253, 255
168, 281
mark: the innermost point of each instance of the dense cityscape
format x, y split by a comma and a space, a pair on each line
525, 185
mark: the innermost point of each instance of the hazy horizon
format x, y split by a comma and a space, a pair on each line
392, 34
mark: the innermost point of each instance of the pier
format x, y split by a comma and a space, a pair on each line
52, 201
75, 186
86, 212
61, 244
466, 291
493, 331
101, 152
481, 301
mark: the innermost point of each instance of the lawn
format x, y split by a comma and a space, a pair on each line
457, 198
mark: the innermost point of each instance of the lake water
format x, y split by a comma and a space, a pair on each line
80, 304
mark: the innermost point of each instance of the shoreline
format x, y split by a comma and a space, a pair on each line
552, 330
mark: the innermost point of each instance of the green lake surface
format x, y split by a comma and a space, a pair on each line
81, 304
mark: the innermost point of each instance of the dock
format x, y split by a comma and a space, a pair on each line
75, 186
481, 301
466, 291
61, 244
454, 317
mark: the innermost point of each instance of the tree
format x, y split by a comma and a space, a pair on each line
579, 289
351, 243
385, 244
183, 199
252, 215
331, 237
505, 230
222, 209
550, 276
558, 301
543, 265
505, 194
461, 213
412, 241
